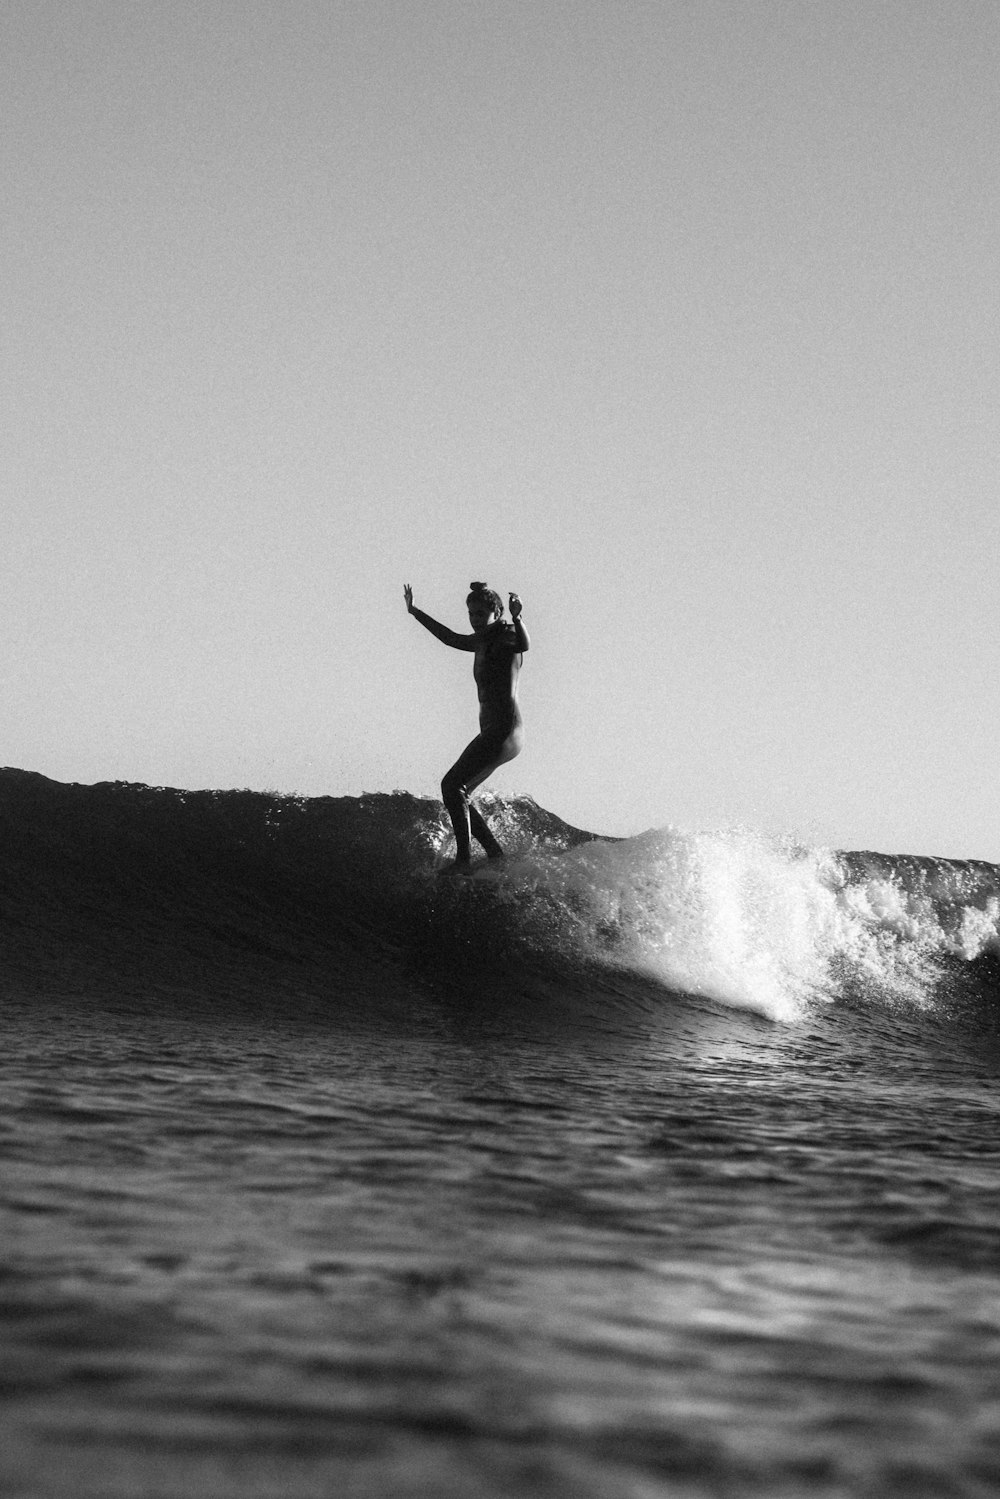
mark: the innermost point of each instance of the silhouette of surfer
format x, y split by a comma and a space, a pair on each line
499, 646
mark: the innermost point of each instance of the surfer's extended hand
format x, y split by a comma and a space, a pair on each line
408, 596
515, 606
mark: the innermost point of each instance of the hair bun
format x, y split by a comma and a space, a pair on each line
482, 593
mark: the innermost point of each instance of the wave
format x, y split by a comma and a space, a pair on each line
120, 885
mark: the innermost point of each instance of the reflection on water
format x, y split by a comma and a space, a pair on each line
704, 1256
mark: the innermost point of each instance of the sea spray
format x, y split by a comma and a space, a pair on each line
753, 922
728, 916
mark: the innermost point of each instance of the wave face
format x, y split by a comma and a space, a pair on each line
108, 887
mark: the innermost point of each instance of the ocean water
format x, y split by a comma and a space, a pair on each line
661, 1166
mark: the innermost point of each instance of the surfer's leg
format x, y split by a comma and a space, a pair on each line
474, 765
480, 829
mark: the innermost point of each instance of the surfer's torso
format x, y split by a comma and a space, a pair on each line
496, 669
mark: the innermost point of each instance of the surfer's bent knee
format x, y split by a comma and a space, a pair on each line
452, 786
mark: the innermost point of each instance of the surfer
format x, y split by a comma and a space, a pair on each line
499, 647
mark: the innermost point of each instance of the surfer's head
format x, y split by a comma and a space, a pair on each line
484, 606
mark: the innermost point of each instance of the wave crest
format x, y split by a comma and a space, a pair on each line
129, 883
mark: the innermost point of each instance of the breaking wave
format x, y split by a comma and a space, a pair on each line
115, 884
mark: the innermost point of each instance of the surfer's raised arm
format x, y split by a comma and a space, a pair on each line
441, 632
521, 641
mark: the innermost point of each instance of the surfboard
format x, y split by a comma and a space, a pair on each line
485, 871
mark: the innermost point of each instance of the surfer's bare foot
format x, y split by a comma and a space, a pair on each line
459, 867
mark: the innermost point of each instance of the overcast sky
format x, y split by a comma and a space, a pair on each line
680, 317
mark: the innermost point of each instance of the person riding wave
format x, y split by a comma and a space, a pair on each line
499, 648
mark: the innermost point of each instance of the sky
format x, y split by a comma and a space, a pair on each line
681, 318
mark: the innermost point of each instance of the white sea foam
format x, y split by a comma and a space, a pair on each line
755, 922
